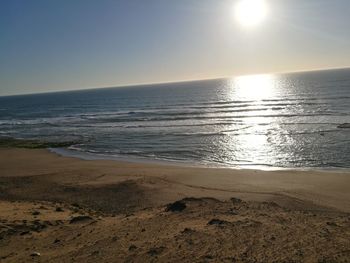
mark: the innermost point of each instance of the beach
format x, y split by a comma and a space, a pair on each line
175, 131
56, 209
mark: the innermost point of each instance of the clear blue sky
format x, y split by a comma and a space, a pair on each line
49, 45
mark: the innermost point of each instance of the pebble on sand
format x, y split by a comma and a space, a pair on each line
35, 254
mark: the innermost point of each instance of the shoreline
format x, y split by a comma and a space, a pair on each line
170, 182
66, 152
63, 148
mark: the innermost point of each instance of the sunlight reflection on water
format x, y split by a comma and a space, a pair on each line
252, 145
255, 87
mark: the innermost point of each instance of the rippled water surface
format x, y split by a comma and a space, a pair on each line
288, 120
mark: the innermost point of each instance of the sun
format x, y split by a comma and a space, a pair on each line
250, 13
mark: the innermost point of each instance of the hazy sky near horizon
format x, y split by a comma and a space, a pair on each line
72, 44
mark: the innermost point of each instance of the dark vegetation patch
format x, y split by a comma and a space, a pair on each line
8, 142
344, 126
177, 206
111, 199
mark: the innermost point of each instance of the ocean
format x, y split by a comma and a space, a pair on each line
296, 120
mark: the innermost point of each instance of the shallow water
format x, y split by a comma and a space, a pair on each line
288, 120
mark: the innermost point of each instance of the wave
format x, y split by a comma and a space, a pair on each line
305, 98
212, 118
237, 103
215, 118
220, 133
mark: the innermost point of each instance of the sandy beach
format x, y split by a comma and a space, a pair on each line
62, 209
175, 131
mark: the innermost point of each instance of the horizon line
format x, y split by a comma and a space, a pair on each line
174, 82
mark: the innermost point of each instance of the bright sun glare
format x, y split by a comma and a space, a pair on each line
250, 12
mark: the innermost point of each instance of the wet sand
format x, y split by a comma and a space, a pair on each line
283, 216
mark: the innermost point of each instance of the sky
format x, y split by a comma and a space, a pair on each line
74, 44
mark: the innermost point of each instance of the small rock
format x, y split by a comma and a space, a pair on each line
37, 226
80, 219
47, 222
217, 222
177, 206
35, 254
129, 215
95, 253
209, 257
236, 200
59, 209
187, 230
233, 212
331, 224
155, 251
132, 248
58, 222
189, 242
76, 205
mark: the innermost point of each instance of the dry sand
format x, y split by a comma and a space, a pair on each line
285, 216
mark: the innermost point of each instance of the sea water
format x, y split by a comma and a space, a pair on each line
278, 121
